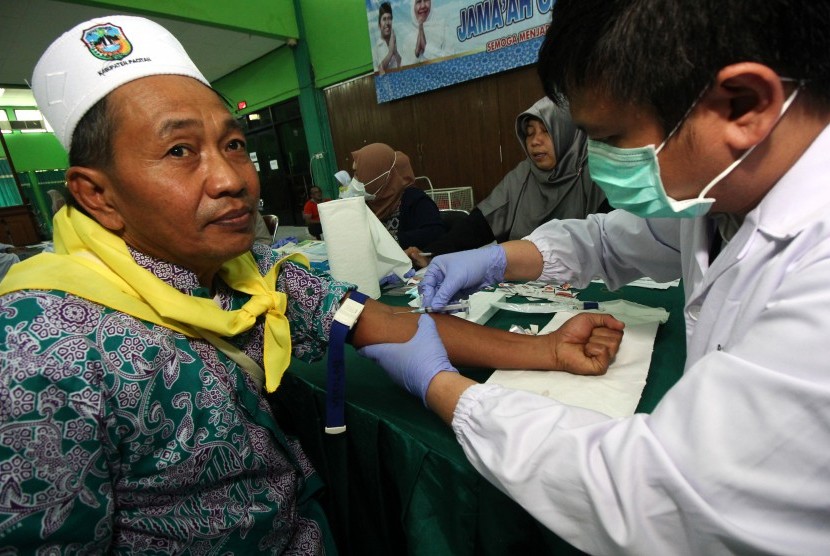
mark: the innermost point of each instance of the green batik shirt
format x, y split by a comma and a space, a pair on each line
119, 435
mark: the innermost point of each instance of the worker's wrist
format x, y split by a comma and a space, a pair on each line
444, 391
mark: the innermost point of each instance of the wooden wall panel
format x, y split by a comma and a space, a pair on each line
458, 136
356, 119
18, 226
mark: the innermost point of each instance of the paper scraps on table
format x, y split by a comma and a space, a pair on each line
537, 290
646, 283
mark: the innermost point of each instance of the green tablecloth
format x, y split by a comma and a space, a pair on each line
398, 483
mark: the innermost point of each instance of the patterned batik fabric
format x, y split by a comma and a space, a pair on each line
121, 435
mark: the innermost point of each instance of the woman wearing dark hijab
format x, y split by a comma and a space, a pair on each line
552, 182
407, 212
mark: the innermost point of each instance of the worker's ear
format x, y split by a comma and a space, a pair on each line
746, 99
93, 190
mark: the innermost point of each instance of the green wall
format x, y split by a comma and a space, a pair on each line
338, 39
338, 46
36, 151
265, 81
33, 151
270, 18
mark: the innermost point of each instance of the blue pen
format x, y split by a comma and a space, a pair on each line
576, 304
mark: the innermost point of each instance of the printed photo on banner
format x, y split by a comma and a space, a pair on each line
421, 45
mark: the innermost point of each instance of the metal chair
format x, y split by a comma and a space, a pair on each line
427, 186
273, 223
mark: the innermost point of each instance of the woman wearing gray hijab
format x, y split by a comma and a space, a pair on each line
552, 182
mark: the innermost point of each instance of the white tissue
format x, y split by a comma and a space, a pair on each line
360, 249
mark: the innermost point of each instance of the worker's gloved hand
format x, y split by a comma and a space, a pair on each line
415, 363
457, 275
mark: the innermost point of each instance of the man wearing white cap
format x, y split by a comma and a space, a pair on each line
129, 443
131, 359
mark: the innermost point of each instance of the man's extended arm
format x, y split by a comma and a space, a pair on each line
586, 344
472, 345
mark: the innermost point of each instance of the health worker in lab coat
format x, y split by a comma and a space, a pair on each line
708, 126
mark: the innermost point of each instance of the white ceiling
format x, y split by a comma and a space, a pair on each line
27, 27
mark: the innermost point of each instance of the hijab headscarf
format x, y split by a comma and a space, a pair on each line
435, 30
385, 173
529, 196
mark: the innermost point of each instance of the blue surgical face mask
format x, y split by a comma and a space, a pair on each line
631, 180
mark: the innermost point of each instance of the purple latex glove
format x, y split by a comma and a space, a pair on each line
415, 363
456, 275
389, 279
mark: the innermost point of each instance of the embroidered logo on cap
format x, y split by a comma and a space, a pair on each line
107, 42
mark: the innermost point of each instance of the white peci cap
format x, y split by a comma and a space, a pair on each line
94, 58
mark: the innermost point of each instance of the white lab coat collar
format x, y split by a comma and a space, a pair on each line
802, 192
783, 213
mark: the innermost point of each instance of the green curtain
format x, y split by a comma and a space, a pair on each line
9, 194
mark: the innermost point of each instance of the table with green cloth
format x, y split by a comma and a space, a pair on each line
397, 480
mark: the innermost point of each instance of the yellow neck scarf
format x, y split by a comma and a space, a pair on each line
93, 263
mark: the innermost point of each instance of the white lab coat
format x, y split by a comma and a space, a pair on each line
736, 456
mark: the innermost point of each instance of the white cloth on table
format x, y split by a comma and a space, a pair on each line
616, 393
734, 457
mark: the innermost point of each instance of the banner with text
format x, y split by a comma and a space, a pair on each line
421, 45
